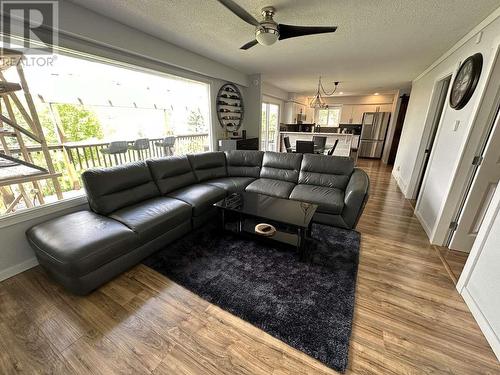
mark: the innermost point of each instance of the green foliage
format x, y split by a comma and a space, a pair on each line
196, 122
47, 124
79, 123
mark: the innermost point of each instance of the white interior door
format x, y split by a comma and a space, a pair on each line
479, 281
269, 127
480, 194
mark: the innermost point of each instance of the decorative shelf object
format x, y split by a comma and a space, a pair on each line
229, 107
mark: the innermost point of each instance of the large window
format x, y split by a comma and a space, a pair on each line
92, 114
329, 116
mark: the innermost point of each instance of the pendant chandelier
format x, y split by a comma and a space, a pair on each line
318, 102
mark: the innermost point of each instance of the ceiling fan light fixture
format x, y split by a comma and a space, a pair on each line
266, 37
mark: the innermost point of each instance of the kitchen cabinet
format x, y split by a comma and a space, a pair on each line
288, 114
357, 113
385, 108
309, 114
292, 109
346, 114
353, 114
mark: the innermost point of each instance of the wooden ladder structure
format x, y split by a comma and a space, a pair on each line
20, 169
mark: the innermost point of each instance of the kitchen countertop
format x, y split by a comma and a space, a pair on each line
346, 141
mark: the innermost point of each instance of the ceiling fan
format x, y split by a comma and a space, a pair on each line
267, 31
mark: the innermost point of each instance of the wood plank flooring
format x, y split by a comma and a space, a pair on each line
408, 317
453, 260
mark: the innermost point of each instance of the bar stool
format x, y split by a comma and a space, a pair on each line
140, 145
167, 144
116, 149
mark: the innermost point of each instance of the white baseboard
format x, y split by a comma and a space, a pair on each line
485, 327
426, 228
18, 268
402, 186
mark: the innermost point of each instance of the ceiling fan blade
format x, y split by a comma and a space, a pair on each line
249, 45
239, 11
289, 31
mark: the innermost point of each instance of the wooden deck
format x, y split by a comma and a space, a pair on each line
409, 319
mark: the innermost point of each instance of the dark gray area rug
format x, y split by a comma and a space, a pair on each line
308, 305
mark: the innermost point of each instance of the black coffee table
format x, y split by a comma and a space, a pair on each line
292, 219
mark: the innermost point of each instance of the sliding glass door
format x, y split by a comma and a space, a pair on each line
269, 126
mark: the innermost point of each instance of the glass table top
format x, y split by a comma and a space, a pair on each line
259, 205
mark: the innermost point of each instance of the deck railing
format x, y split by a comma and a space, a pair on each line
84, 155
71, 159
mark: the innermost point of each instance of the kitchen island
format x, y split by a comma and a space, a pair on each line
346, 141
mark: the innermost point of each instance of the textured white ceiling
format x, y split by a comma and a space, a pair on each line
380, 45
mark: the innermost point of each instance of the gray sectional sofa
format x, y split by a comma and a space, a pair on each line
138, 208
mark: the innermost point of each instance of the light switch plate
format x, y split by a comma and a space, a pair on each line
456, 125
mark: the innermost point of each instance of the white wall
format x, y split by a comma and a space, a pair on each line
360, 99
253, 106
480, 278
274, 92
88, 32
449, 143
16, 254
275, 95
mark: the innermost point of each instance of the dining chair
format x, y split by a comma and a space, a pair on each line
140, 145
167, 144
354, 154
319, 144
330, 152
116, 149
288, 146
304, 147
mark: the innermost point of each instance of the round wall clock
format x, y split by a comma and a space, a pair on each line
466, 81
229, 107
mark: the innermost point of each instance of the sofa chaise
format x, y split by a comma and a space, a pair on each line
140, 207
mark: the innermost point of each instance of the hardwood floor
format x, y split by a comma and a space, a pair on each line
453, 260
409, 319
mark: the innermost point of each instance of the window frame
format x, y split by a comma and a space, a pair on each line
330, 108
267, 104
92, 52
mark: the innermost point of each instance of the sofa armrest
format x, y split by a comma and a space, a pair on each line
356, 195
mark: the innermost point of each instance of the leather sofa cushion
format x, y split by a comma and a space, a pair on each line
201, 197
153, 217
281, 166
171, 173
208, 165
231, 184
324, 170
109, 189
78, 243
329, 200
244, 163
273, 188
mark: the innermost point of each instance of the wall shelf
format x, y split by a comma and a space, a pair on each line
229, 107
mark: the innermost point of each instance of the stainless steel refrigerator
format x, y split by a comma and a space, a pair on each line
373, 132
